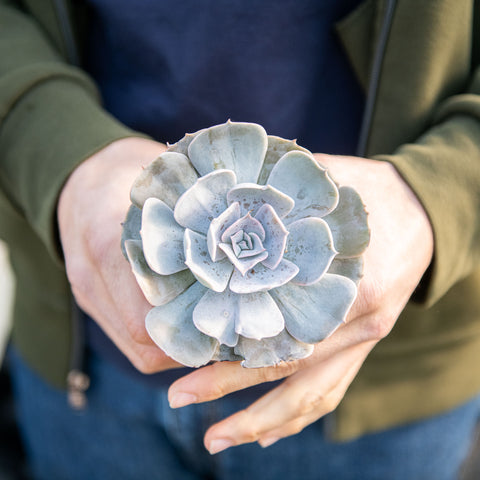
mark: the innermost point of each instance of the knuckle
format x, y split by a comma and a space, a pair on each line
219, 384
249, 432
310, 402
288, 368
296, 427
330, 405
378, 327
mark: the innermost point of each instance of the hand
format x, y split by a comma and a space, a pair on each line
400, 251
91, 207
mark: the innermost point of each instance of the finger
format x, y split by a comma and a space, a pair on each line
298, 424
221, 378
302, 398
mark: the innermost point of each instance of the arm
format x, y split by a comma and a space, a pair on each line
51, 122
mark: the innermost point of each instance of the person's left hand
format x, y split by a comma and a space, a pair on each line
400, 251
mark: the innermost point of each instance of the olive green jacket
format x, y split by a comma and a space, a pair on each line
423, 115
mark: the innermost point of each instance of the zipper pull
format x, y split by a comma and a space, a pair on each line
78, 383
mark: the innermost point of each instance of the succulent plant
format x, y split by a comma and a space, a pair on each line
245, 247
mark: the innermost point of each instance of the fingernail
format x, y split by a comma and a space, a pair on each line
181, 399
218, 445
266, 442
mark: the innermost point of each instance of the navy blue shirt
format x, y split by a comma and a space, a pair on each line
168, 67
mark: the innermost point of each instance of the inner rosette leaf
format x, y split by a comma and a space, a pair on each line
204, 201
252, 197
275, 235
261, 278
217, 227
213, 275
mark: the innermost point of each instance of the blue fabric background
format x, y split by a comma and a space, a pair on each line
169, 67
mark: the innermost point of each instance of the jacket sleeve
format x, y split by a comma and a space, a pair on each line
443, 168
50, 120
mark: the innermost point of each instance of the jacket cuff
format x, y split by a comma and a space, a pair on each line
56, 124
443, 169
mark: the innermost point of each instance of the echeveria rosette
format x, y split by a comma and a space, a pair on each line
245, 247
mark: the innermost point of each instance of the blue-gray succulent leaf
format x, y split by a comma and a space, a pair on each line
213, 275
217, 226
258, 316
252, 197
271, 351
349, 224
299, 176
240, 147
275, 235
162, 238
249, 245
215, 315
226, 353
171, 327
226, 316
244, 263
131, 227
247, 224
310, 248
182, 145
157, 289
277, 148
261, 278
351, 268
166, 178
204, 201
314, 312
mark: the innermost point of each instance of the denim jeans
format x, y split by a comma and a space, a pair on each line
128, 431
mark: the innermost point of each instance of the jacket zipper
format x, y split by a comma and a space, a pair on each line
329, 425
78, 380
375, 79
67, 32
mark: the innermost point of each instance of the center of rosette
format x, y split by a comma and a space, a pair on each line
242, 242
246, 244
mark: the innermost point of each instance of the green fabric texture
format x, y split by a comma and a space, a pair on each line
430, 131
426, 122
50, 121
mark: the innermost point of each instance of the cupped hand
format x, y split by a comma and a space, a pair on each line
91, 208
399, 253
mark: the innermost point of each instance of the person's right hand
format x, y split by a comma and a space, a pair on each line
91, 207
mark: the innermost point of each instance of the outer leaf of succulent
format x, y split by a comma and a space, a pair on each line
245, 247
